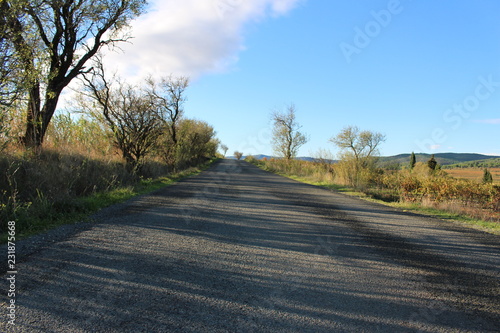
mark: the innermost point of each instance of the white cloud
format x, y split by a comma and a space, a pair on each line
435, 147
191, 37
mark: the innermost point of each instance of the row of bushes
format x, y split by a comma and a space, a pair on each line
440, 187
79, 159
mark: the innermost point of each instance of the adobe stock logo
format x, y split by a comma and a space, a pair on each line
373, 28
455, 115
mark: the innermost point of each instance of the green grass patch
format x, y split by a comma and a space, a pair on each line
42, 215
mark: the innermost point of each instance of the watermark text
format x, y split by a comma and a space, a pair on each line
11, 272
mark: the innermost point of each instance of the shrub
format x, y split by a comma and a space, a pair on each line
238, 155
251, 159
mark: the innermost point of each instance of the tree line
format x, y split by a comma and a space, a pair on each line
45, 45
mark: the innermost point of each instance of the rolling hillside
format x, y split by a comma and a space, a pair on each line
488, 163
442, 158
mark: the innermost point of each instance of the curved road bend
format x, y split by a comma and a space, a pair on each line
237, 249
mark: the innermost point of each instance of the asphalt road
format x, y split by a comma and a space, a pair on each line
237, 249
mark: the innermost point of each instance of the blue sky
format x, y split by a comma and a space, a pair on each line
425, 73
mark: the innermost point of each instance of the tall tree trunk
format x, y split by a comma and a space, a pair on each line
31, 137
38, 118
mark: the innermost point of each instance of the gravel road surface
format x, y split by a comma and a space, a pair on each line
237, 249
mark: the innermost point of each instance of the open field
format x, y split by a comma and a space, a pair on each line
475, 174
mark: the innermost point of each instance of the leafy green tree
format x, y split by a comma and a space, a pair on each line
196, 143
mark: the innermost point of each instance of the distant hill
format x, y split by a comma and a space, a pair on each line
446, 159
261, 156
487, 163
258, 157
441, 158
310, 159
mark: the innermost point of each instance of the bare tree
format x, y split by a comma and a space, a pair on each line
224, 149
286, 136
363, 145
129, 112
358, 152
66, 34
168, 94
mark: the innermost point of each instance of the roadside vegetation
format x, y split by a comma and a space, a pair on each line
422, 186
44, 212
115, 141
420, 190
80, 169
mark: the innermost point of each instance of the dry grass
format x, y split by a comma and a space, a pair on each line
462, 199
474, 174
471, 211
78, 162
44, 186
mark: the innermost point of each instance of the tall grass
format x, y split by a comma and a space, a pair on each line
37, 189
78, 171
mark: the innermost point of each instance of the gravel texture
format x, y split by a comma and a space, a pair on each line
237, 249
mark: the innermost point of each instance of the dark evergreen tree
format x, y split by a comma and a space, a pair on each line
432, 163
413, 160
487, 177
